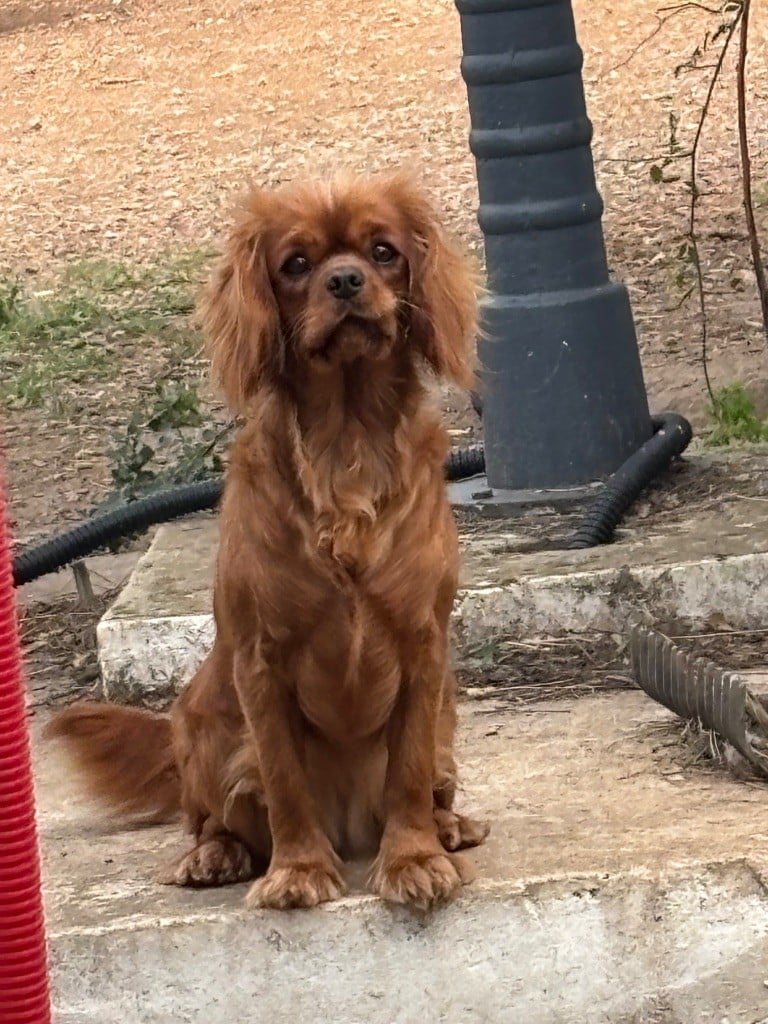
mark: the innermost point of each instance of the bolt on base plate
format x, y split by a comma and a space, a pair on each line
476, 493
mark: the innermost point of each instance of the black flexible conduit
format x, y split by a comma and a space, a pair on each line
671, 436
133, 517
139, 515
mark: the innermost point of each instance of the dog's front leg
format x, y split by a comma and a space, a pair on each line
412, 865
304, 869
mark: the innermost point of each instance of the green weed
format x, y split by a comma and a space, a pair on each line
735, 417
166, 441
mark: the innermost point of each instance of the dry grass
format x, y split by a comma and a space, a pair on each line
60, 650
514, 673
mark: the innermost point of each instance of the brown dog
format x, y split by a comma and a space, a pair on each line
321, 724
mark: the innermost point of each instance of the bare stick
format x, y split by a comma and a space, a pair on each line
692, 236
85, 593
669, 13
746, 166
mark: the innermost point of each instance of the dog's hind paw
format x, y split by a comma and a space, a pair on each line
221, 860
457, 832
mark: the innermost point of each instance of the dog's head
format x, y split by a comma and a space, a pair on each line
332, 273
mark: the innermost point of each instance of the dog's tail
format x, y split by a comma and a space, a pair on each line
124, 755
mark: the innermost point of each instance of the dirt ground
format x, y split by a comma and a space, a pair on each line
128, 126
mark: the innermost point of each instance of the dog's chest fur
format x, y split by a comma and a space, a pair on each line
371, 530
349, 666
348, 556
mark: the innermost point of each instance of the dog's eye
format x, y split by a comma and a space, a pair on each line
295, 266
383, 253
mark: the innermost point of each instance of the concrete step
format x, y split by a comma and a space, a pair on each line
711, 567
621, 883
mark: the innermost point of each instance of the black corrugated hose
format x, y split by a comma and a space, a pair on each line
671, 436
136, 516
133, 517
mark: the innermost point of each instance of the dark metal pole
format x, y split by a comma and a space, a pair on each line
564, 401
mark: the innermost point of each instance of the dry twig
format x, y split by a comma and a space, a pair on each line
694, 197
746, 165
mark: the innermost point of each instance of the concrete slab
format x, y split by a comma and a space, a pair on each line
678, 569
689, 571
620, 884
160, 627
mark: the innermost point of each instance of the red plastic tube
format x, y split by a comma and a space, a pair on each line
24, 995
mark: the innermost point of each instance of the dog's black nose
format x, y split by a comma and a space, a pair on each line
345, 282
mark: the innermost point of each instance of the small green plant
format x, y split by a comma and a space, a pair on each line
657, 171
166, 441
684, 270
735, 417
9, 301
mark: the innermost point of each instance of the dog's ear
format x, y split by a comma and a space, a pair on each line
444, 290
238, 309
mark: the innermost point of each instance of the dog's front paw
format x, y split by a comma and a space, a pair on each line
289, 886
421, 879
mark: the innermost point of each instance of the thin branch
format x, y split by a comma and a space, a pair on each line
660, 23
670, 157
685, 69
678, 8
746, 166
682, 302
692, 236
668, 13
